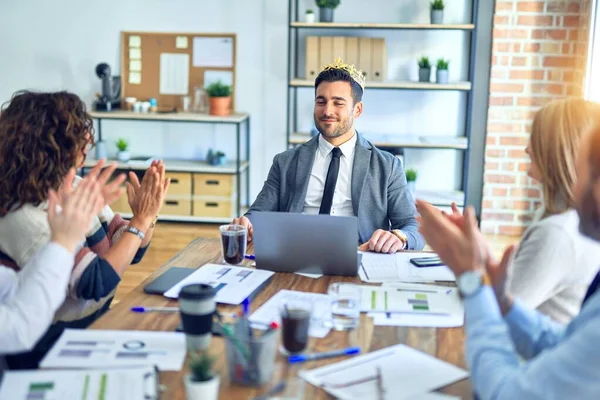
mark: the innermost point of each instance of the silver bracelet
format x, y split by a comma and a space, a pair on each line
136, 232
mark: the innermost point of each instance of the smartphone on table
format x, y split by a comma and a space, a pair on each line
423, 262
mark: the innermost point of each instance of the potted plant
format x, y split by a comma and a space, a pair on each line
437, 12
424, 69
411, 180
326, 8
219, 95
201, 383
309, 17
441, 71
216, 157
122, 150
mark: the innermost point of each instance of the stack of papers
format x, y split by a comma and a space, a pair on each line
114, 384
405, 374
377, 267
406, 304
233, 284
270, 311
78, 348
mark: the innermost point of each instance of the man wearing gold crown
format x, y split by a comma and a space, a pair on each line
340, 173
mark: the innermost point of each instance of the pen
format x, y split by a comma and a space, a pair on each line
298, 358
250, 256
154, 309
273, 326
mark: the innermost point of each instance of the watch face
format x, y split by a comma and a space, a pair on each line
469, 282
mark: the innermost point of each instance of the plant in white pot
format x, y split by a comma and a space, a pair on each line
201, 383
309, 16
122, 150
437, 12
424, 69
441, 71
411, 180
326, 8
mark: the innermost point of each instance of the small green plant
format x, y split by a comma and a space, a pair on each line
442, 64
411, 175
327, 3
122, 144
201, 367
437, 5
218, 89
219, 154
424, 62
309, 11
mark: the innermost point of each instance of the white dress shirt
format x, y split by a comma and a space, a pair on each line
29, 299
342, 198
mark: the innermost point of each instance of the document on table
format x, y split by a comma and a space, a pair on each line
405, 372
113, 384
270, 311
376, 267
233, 284
409, 304
78, 348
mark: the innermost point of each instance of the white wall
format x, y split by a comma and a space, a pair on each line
56, 45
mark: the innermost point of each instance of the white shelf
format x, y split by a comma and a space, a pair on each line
181, 218
407, 85
179, 166
441, 198
406, 141
366, 25
169, 116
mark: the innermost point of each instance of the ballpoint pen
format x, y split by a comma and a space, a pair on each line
298, 358
250, 256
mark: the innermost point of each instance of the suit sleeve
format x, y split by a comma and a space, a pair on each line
268, 198
402, 211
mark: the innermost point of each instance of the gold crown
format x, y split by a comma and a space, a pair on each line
355, 74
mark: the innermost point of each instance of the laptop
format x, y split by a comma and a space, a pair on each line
315, 244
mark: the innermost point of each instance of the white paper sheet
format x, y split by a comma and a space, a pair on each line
181, 42
78, 348
135, 65
233, 284
113, 384
135, 54
445, 309
406, 373
135, 41
210, 77
135, 78
174, 73
270, 311
434, 396
213, 52
377, 267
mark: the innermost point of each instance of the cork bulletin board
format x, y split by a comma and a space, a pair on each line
168, 66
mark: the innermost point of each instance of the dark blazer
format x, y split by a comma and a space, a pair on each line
380, 197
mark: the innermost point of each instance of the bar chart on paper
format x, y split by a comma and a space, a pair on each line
114, 384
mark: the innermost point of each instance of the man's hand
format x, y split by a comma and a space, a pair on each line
79, 206
245, 222
383, 242
498, 273
461, 249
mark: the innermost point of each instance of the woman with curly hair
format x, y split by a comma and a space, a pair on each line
42, 137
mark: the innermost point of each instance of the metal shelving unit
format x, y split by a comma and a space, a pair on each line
472, 143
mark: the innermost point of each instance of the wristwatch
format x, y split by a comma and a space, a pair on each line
136, 232
469, 283
402, 236
153, 224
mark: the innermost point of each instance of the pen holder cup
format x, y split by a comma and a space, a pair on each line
251, 360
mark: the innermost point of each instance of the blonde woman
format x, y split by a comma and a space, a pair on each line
555, 263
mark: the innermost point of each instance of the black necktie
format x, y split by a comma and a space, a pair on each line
592, 289
332, 175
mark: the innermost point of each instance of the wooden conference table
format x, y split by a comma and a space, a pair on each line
445, 344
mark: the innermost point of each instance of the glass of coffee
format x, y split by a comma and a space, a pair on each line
233, 241
295, 323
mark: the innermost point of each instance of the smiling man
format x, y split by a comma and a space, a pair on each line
340, 173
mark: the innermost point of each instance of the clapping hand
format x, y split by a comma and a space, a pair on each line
79, 206
146, 198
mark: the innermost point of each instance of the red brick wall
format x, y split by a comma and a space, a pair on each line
538, 54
